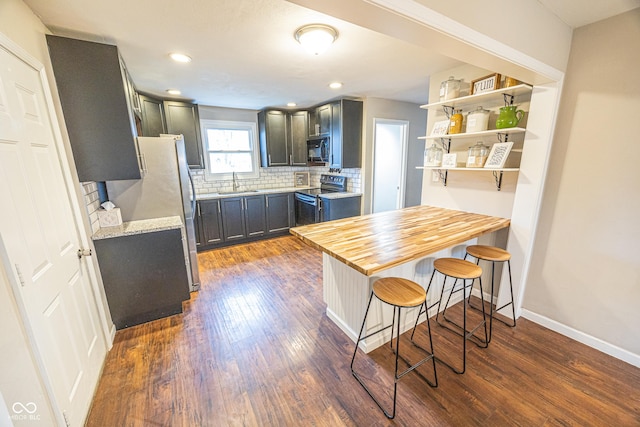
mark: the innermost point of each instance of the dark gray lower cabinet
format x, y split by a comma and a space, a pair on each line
208, 223
241, 219
280, 212
255, 215
145, 276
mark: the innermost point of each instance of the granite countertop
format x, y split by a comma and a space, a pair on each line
222, 195
139, 227
339, 195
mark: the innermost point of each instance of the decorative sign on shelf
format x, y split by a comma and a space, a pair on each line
498, 155
449, 160
485, 84
440, 128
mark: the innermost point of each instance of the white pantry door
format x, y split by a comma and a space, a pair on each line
39, 241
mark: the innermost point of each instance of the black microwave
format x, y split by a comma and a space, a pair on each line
318, 150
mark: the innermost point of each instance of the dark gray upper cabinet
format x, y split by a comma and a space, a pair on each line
324, 118
182, 118
283, 138
274, 150
152, 115
299, 136
94, 96
346, 134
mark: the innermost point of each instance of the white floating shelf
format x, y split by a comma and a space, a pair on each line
509, 131
474, 100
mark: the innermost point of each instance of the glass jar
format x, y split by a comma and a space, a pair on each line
451, 89
478, 120
477, 155
433, 155
455, 125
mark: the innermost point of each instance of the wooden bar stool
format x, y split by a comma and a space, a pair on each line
463, 270
494, 254
399, 293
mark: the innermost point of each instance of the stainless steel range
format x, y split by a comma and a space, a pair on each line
330, 201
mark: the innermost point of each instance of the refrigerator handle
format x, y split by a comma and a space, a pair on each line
193, 192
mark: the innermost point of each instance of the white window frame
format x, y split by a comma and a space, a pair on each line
253, 140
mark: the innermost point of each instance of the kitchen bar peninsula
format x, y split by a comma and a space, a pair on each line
357, 251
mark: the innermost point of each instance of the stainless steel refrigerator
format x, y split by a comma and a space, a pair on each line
166, 189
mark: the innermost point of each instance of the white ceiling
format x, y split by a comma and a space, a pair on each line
245, 56
577, 13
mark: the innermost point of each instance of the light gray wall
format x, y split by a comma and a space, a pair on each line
394, 110
585, 269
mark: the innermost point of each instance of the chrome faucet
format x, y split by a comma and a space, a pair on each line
235, 182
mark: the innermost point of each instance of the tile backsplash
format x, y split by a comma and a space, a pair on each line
92, 203
279, 177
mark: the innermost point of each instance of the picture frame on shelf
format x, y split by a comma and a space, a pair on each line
498, 155
449, 160
440, 128
485, 84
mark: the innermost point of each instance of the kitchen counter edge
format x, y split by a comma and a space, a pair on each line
139, 227
210, 196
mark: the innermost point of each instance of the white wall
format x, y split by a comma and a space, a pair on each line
394, 110
585, 272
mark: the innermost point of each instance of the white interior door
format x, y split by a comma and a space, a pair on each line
40, 240
389, 164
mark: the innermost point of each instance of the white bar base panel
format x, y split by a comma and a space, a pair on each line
346, 293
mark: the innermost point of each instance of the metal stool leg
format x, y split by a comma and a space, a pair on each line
493, 310
396, 376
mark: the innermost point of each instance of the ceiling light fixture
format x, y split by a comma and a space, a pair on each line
180, 57
173, 91
316, 38
291, 104
335, 85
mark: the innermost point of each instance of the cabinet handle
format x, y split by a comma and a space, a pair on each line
219, 211
269, 159
199, 213
267, 200
143, 161
290, 159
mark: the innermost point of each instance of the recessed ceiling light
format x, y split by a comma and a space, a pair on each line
335, 85
291, 104
180, 57
173, 91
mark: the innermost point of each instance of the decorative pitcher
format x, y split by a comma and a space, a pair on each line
509, 117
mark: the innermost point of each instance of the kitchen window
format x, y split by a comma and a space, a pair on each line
230, 147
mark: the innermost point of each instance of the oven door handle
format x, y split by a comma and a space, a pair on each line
310, 200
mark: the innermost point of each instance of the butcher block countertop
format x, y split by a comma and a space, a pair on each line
372, 243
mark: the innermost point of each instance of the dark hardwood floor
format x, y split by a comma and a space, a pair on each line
255, 348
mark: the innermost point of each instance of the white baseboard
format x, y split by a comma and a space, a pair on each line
598, 344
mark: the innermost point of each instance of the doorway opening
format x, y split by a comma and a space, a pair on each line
389, 164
